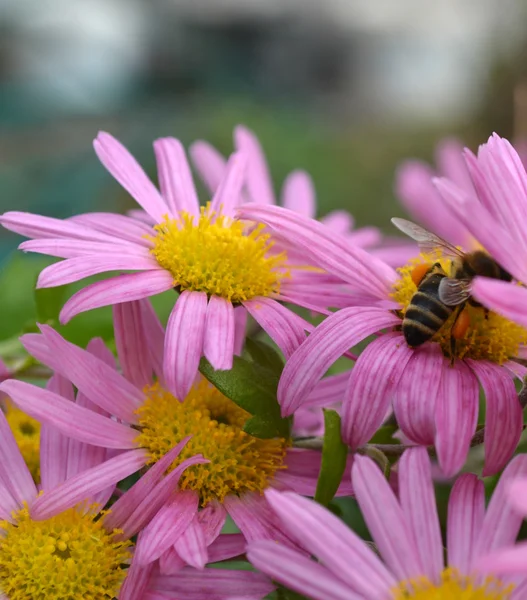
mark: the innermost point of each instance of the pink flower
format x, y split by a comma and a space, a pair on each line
141, 416
496, 218
210, 258
405, 529
434, 402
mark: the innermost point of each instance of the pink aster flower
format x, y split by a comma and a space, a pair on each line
496, 217
405, 529
435, 402
144, 417
215, 262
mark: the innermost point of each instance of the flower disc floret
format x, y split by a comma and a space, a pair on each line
239, 462
453, 585
26, 431
218, 256
68, 556
489, 335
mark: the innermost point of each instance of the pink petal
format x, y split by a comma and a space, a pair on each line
466, 511
328, 342
335, 545
339, 221
212, 518
85, 485
418, 501
184, 342
72, 420
167, 526
38, 226
240, 326
122, 288
506, 299
326, 248
259, 184
128, 172
14, 473
131, 342
8, 505
509, 560
416, 394
298, 194
72, 248
385, 519
227, 545
298, 572
502, 522
142, 216
228, 195
175, 177
102, 384
456, 416
370, 387
209, 163
504, 415
328, 391
283, 326
155, 337
517, 493
74, 269
191, 545
218, 343
116, 225
451, 162
137, 580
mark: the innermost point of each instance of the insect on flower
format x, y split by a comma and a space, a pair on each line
440, 293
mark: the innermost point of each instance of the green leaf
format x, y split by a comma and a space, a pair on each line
334, 454
49, 302
265, 356
252, 388
384, 435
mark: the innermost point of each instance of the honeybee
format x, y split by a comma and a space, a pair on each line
438, 295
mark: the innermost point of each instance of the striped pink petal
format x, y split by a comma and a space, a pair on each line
72, 420
298, 194
518, 495
116, 226
135, 585
416, 394
122, 288
175, 177
191, 545
212, 518
240, 327
86, 484
504, 415
298, 572
466, 511
228, 195
155, 337
418, 501
259, 183
506, 299
184, 342
328, 342
8, 504
14, 473
385, 519
209, 163
456, 416
370, 388
227, 545
509, 560
73, 248
129, 173
339, 221
284, 327
218, 343
328, 391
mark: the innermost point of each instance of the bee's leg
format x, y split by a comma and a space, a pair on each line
459, 327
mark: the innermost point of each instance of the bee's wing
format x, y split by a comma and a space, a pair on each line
427, 241
453, 291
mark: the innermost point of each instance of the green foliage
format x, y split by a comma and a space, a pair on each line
334, 454
49, 302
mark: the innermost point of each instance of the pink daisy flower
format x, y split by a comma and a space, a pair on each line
212, 260
435, 402
145, 417
405, 529
496, 217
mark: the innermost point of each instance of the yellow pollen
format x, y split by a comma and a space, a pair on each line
218, 256
453, 586
239, 462
27, 435
68, 556
489, 335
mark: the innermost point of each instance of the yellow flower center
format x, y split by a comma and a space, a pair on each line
218, 256
453, 586
27, 435
68, 556
489, 336
239, 462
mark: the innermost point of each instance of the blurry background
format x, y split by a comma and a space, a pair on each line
343, 88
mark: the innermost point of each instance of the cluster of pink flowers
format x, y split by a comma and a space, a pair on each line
127, 473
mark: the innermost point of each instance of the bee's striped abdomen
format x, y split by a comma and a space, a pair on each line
426, 314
